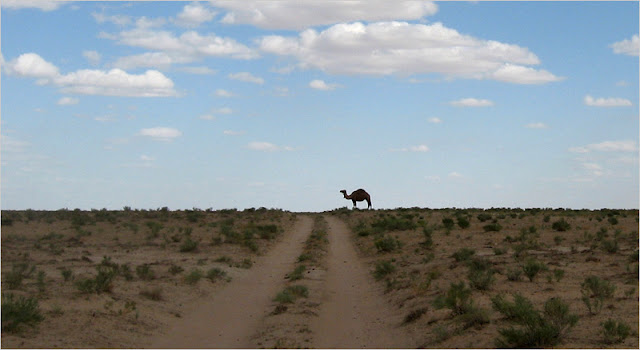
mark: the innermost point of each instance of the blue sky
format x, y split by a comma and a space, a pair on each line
282, 104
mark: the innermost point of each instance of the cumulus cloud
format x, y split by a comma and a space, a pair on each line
267, 147
224, 93
194, 14
629, 47
607, 146
246, 77
115, 82
44, 5
168, 48
200, 70
321, 85
66, 101
455, 175
401, 48
471, 102
297, 15
606, 102
161, 133
435, 120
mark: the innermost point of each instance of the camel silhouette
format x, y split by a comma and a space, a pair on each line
358, 195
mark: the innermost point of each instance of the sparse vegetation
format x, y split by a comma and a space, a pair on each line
19, 310
615, 332
594, 293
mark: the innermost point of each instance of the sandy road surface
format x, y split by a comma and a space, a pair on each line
354, 314
234, 313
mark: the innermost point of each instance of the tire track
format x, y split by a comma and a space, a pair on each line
353, 313
234, 314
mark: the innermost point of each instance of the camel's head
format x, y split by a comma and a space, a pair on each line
343, 191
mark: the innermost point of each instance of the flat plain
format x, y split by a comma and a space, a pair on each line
263, 278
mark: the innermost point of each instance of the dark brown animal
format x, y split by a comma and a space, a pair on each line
358, 195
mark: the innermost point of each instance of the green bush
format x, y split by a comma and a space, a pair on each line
393, 223
463, 222
194, 276
297, 273
216, 273
463, 254
291, 293
536, 329
532, 267
484, 217
386, 244
383, 268
457, 299
19, 310
614, 332
188, 245
480, 274
145, 272
492, 227
448, 223
561, 225
19, 272
610, 246
154, 294
594, 293
427, 232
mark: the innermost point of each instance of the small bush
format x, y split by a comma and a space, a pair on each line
19, 272
414, 315
480, 274
463, 222
427, 232
610, 246
561, 225
484, 217
536, 329
448, 223
188, 245
145, 272
386, 244
19, 310
297, 273
463, 254
615, 332
594, 293
175, 269
154, 294
291, 293
194, 276
532, 267
216, 273
492, 227
67, 274
613, 220
457, 298
514, 274
383, 268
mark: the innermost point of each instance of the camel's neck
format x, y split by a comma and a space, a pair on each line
346, 196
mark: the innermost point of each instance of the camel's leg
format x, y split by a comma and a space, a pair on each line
354, 203
369, 203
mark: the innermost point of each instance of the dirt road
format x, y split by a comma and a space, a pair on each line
353, 315
231, 317
352, 312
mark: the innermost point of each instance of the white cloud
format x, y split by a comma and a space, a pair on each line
233, 133
146, 158
594, 168
418, 148
435, 120
223, 110
201, 70
67, 101
471, 102
246, 77
44, 5
224, 93
194, 14
297, 15
606, 102
536, 126
120, 20
607, 146
321, 85
161, 133
455, 175
629, 47
92, 56
401, 48
169, 49
115, 82
267, 147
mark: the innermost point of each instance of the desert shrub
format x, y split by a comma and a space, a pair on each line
393, 223
216, 273
613, 220
155, 228
102, 282
463, 254
245, 263
463, 222
145, 272
594, 293
386, 244
427, 232
304, 257
291, 293
154, 294
480, 274
484, 217
474, 317
40, 282
297, 273
175, 269
558, 274
448, 223
561, 225
558, 239
267, 231
19, 310
414, 315
514, 274
546, 218
251, 244
188, 245
615, 332
125, 271
18, 273
194, 276
610, 246
492, 227
383, 268
532, 267
536, 329
67, 274
457, 298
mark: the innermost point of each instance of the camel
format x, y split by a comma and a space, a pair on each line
358, 195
